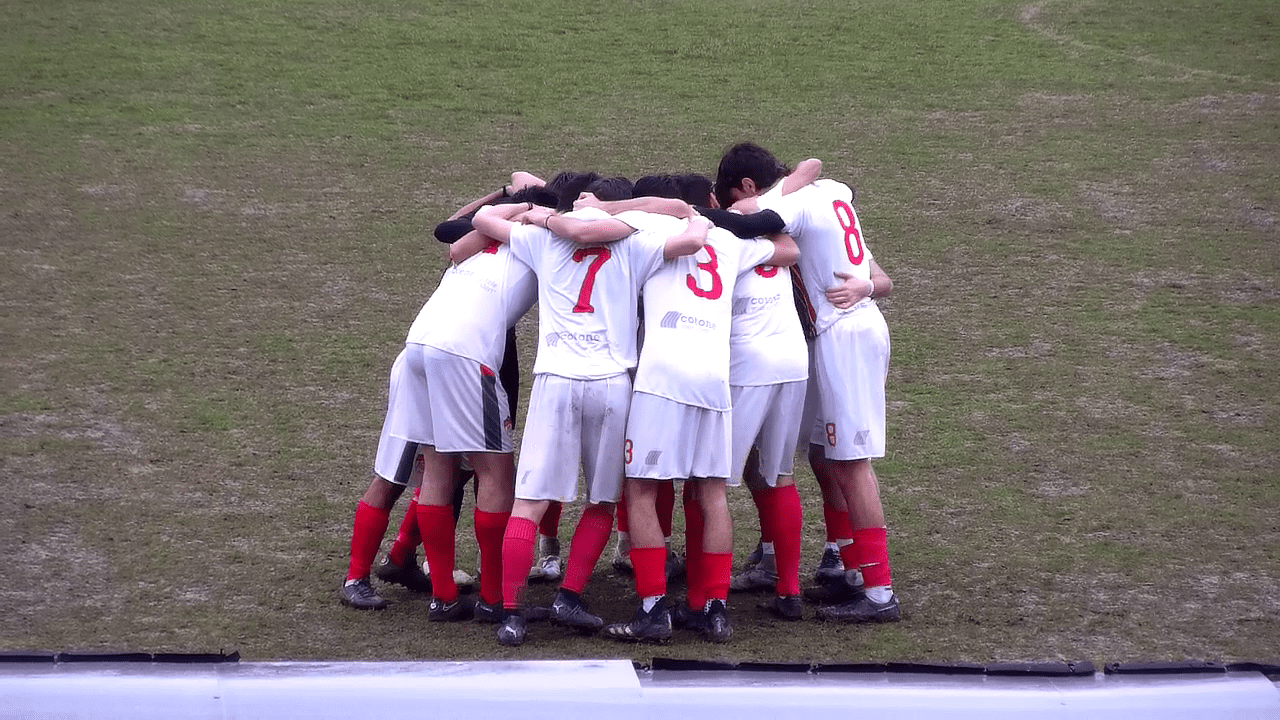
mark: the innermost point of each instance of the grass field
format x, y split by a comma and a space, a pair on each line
216, 230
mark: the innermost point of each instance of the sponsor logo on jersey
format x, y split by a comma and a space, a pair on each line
675, 319
744, 305
553, 339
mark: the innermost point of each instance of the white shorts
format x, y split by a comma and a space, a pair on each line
768, 417
398, 460
848, 367
667, 440
574, 423
449, 402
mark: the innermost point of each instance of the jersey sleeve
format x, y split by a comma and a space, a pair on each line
755, 252
789, 207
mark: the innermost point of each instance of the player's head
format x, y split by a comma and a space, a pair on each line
664, 186
695, 189
612, 188
534, 194
568, 186
742, 162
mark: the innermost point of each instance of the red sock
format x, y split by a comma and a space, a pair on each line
764, 511
490, 528
408, 539
549, 526
871, 555
366, 538
650, 564
839, 526
517, 558
588, 543
695, 570
717, 567
436, 524
623, 525
666, 505
788, 531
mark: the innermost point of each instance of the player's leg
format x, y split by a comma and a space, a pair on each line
666, 507
652, 621
549, 566
438, 527
496, 481
605, 404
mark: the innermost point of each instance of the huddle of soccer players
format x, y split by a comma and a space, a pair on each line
719, 394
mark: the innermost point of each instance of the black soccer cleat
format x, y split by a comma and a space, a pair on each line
836, 591
488, 613
512, 631
716, 622
410, 576
461, 609
652, 626
568, 610
361, 596
863, 610
684, 617
830, 568
786, 607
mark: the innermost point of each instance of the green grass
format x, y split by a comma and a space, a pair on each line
216, 230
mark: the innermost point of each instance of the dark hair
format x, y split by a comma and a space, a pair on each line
695, 189
613, 188
664, 186
534, 194
568, 186
746, 160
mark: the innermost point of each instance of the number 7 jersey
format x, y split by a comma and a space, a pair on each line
587, 299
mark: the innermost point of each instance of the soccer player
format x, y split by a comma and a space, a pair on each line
680, 425
450, 403
587, 299
849, 359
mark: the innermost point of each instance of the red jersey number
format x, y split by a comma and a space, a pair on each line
766, 271
711, 266
601, 255
852, 238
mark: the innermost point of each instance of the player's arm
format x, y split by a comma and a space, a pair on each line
674, 207
806, 172
586, 232
519, 181
492, 222
851, 290
760, 224
689, 241
468, 245
785, 250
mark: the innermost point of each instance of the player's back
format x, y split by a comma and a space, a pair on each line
587, 301
821, 218
474, 304
766, 342
688, 313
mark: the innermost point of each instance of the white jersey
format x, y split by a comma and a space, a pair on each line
766, 342
687, 314
474, 304
822, 220
587, 298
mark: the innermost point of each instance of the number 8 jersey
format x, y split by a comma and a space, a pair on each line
821, 218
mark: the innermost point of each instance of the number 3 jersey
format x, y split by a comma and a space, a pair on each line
821, 218
587, 298
688, 308
474, 304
